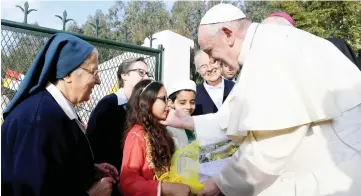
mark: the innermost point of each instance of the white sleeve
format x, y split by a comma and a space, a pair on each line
208, 130
159, 189
212, 128
261, 157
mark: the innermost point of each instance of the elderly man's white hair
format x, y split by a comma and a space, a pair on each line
238, 25
197, 55
276, 20
224, 15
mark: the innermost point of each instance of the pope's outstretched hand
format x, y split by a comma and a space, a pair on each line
179, 119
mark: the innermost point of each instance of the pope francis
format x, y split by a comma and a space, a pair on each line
295, 109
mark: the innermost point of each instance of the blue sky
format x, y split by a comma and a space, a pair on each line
77, 10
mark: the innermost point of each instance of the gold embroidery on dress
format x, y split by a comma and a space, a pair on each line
148, 150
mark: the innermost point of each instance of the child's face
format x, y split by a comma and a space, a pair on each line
186, 101
160, 108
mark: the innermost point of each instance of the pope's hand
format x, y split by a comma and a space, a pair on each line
179, 119
210, 189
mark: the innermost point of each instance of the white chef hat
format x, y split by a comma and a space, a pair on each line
181, 85
222, 12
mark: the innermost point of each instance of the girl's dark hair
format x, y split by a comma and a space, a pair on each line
139, 112
174, 95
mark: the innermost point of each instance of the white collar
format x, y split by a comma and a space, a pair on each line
122, 99
218, 86
247, 43
62, 101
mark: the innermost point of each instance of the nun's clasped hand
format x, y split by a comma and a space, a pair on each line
106, 170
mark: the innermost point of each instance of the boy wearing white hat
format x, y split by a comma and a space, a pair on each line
182, 96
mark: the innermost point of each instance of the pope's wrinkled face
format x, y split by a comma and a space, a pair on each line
220, 47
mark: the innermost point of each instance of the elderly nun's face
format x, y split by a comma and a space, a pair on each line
85, 78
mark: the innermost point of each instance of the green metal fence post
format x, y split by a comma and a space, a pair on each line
159, 63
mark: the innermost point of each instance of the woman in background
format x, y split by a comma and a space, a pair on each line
106, 123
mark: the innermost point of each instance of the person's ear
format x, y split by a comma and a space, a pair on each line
124, 76
229, 36
170, 103
68, 78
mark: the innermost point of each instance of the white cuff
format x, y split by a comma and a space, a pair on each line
159, 190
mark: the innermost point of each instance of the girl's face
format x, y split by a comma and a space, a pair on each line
185, 100
160, 108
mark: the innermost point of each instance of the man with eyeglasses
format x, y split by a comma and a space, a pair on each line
106, 123
214, 90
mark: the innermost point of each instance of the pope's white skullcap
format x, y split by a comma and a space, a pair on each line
222, 13
181, 85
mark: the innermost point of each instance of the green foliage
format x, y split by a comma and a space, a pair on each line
133, 21
341, 19
20, 52
90, 30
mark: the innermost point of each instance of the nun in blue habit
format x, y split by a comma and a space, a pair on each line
44, 150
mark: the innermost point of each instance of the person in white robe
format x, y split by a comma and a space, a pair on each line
296, 109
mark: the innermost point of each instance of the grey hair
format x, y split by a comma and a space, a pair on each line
197, 55
86, 61
240, 25
124, 67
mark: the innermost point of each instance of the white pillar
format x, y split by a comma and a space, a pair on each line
176, 55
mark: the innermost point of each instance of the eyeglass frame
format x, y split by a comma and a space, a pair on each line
206, 66
94, 73
147, 73
163, 98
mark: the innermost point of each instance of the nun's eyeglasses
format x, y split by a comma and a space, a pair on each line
94, 73
141, 72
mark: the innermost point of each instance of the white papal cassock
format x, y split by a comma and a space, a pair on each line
296, 109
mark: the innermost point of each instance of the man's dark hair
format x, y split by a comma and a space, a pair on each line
124, 67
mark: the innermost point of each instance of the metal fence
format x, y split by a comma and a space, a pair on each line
21, 42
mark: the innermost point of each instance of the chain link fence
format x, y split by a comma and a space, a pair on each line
20, 43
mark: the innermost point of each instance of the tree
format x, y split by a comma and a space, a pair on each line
136, 20
326, 18
20, 53
341, 19
97, 25
26, 11
257, 10
186, 16
75, 28
115, 18
64, 19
